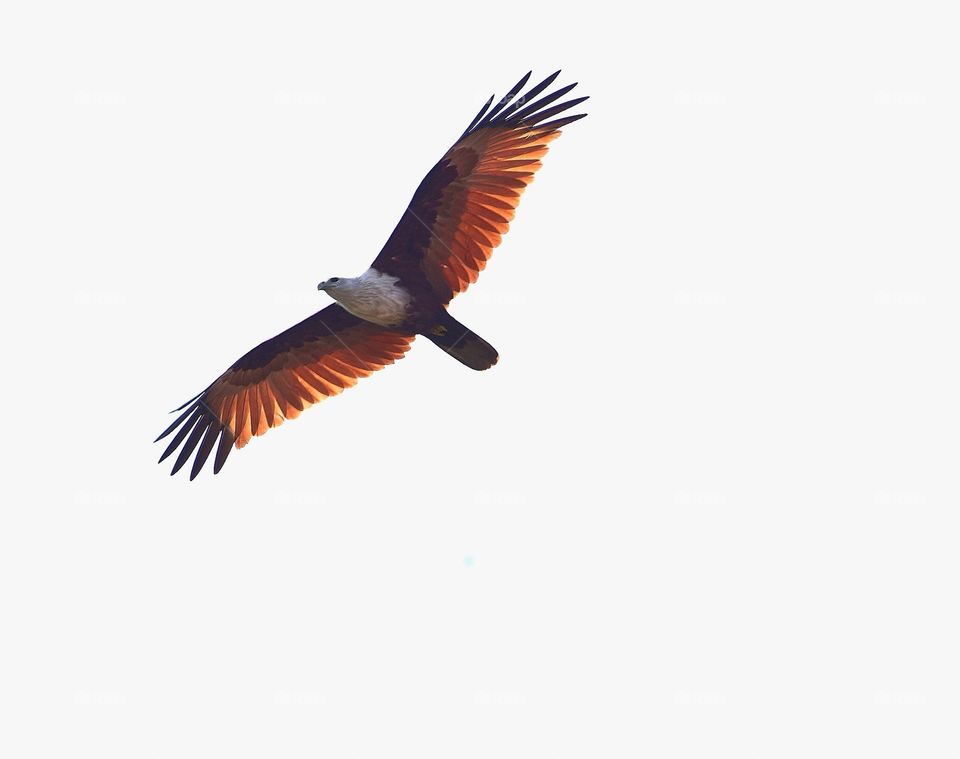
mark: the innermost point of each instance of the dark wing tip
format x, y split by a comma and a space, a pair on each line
507, 99
181, 408
214, 428
558, 123
522, 110
537, 118
531, 110
198, 426
513, 110
223, 450
478, 117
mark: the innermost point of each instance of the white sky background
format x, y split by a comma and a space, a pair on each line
704, 505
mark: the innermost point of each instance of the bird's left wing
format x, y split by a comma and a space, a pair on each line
313, 360
465, 204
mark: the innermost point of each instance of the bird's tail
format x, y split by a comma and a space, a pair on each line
463, 344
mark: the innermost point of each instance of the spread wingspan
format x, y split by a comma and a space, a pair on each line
457, 217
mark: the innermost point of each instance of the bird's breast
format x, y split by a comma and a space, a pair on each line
375, 297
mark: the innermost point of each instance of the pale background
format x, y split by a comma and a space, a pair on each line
704, 506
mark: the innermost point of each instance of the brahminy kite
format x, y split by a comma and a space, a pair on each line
456, 218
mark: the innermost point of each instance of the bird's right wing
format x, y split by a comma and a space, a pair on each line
464, 205
313, 360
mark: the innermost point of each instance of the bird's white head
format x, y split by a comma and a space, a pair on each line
332, 284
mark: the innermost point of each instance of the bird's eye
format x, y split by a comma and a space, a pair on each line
334, 279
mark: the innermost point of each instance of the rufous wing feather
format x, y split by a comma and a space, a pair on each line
464, 206
313, 360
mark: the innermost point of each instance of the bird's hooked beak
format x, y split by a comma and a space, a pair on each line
321, 285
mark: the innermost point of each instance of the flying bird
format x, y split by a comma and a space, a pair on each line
457, 216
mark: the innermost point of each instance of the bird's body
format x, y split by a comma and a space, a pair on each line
456, 218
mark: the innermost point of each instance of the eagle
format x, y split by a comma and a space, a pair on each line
457, 216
